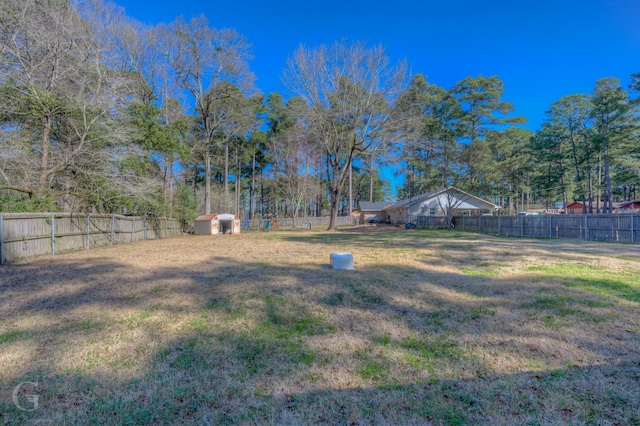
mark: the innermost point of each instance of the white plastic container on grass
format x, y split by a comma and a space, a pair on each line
341, 260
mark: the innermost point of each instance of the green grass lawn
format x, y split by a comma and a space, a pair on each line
432, 327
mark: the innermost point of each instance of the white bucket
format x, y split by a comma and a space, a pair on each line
341, 260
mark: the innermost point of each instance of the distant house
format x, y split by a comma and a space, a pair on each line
624, 207
435, 203
372, 211
629, 207
577, 207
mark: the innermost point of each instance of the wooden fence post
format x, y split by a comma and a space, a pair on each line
632, 231
113, 226
144, 227
166, 228
499, 222
586, 236
133, 226
550, 233
88, 229
521, 226
1, 240
480, 224
53, 233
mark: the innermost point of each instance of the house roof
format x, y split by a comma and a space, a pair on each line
407, 201
427, 195
366, 206
628, 203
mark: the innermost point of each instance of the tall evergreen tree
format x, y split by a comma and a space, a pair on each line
481, 100
614, 126
511, 162
430, 118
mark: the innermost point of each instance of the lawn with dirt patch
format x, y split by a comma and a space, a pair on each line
435, 327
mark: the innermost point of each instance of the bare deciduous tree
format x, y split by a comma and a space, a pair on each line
297, 156
202, 59
60, 100
347, 89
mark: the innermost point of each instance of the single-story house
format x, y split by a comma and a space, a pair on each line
372, 211
436, 203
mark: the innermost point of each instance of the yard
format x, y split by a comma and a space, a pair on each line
433, 327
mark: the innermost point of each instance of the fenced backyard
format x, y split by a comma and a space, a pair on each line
623, 228
432, 327
24, 235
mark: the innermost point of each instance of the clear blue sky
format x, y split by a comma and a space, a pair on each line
541, 49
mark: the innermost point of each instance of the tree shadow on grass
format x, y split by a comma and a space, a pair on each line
608, 287
358, 238
228, 341
460, 239
401, 294
188, 382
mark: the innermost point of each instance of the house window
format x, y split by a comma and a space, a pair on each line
432, 211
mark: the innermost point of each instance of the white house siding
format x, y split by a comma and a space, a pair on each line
439, 205
424, 208
435, 204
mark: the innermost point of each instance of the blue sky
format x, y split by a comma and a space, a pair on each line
541, 49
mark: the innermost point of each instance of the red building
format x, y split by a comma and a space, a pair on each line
624, 207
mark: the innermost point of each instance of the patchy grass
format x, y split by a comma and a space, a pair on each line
596, 279
375, 369
432, 327
10, 336
480, 272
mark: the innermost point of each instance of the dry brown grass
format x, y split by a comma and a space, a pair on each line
431, 327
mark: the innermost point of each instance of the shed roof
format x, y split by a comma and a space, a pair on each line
217, 216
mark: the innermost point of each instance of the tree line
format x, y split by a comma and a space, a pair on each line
101, 113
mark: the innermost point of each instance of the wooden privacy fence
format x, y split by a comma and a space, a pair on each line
290, 222
602, 227
32, 234
430, 222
